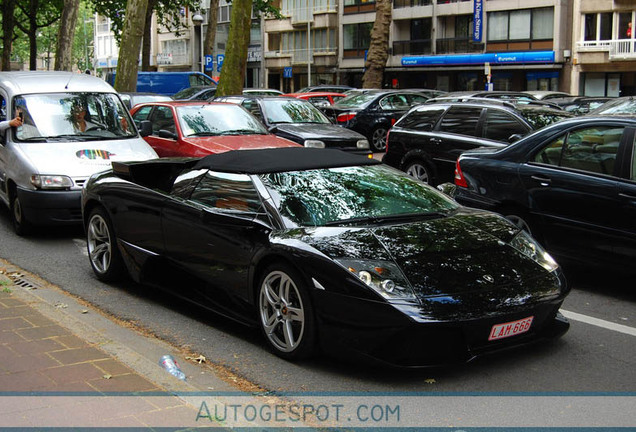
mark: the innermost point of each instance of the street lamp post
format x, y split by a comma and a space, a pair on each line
197, 19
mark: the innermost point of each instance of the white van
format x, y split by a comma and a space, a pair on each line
73, 126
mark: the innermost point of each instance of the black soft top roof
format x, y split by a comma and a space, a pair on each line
280, 160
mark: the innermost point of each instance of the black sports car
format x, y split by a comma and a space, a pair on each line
325, 248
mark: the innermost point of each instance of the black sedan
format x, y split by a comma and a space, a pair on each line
572, 185
373, 112
325, 248
300, 121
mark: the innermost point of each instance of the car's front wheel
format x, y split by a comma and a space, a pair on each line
419, 170
101, 242
21, 226
378, 138
285, 313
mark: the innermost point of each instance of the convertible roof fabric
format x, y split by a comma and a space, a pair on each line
281, 160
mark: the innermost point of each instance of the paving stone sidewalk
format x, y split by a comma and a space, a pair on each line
39, 356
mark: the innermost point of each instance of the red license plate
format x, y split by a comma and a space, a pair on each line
513, 328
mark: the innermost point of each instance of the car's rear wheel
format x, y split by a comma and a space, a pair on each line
21, 226
285, 313
101, 242
419, 170
378, 138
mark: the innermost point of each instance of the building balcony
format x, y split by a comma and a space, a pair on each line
411, 3
317, 57
412, 47
458, 45
617, 49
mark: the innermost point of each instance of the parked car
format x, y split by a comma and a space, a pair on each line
73, 126
572, 185
130, 99
261, 92
547, 94
334, 88
373, 113
301, 122
325, 249
621, 105
196, 93
198, 129
319, 99
580, 105
428, 139
167, 83
501, 95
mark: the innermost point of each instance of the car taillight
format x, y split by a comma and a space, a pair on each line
460, 180
343, 118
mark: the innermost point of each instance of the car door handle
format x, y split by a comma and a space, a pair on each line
543, 181
626, 195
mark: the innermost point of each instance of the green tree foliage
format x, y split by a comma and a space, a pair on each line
32, 16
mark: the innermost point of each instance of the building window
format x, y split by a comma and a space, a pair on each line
521, 25
597, 26
356, 39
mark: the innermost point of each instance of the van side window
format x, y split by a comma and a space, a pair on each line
3, 109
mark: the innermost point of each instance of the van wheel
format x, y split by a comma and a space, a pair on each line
20, 225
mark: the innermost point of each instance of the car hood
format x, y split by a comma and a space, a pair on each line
218, 144
83, 158
452, 264
318, 131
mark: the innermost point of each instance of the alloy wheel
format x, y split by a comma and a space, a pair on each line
99, 243
282, 312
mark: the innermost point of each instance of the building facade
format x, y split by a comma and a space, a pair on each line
604, 48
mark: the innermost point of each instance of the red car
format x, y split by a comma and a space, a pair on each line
319, 99
201, 128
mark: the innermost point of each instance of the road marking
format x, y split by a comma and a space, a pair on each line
599, 322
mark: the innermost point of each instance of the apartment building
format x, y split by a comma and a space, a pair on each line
604, 53
436, 43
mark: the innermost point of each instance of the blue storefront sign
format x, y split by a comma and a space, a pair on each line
478, 15
492, 58
287, 72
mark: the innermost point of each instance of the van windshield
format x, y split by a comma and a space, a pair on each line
72, 116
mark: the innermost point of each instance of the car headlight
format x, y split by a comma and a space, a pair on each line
314, 144
51, 181
362, 144
530, 248
383, 277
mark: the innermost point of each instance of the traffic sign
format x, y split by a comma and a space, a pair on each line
209, 62
219, 61
287, 72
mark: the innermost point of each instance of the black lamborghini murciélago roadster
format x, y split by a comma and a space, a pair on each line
323, 248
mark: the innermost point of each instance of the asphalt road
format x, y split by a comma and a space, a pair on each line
589, 358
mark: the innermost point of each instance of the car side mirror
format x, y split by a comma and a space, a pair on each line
167, 134
447, 189
514, 137
145, 128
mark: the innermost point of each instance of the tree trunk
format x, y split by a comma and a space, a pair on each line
235, 62
378, 53
64, 46
213, 13
147, 38
132, 33
33, 32
7, 33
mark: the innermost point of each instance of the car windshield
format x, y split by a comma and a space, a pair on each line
218, 119
359, 100
292, 111
72, 116
358, 195
541, 118
617, 106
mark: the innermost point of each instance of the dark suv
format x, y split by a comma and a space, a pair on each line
427, 140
